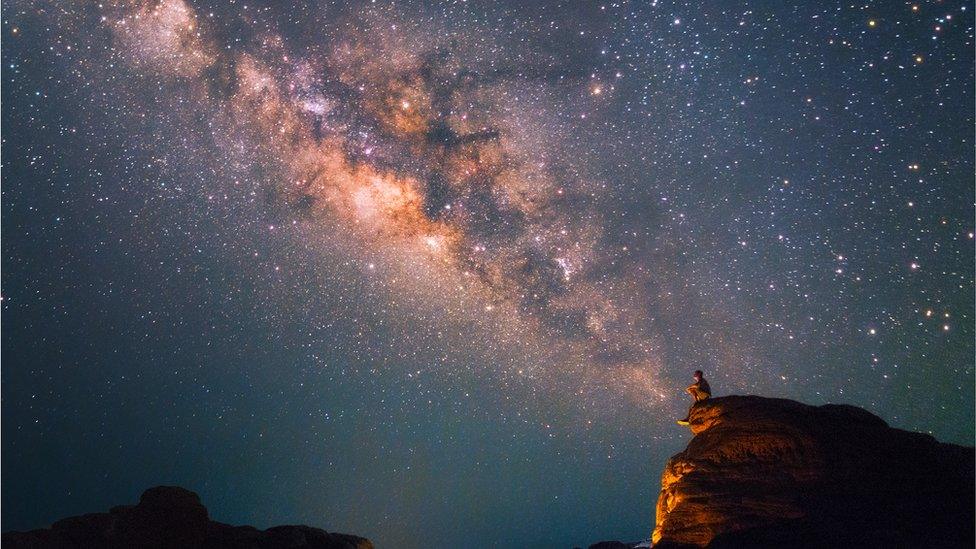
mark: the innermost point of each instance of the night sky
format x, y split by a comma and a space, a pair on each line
438, 275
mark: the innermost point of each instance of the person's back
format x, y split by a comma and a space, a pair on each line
699, 390
704, 391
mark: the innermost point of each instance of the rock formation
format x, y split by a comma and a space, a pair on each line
171, 517
764, 472
612, 545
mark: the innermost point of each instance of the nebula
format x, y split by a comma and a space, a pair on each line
429, 158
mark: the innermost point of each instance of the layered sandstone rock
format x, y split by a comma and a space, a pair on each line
763, 472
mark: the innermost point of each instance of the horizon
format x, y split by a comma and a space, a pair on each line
438, 275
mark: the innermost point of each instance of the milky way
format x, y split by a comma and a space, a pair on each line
436, 272
415, 151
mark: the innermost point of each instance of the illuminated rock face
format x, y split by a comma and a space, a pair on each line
763, 472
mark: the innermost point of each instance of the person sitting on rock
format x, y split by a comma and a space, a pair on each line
699, 390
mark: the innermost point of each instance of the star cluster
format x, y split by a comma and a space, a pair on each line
413, 267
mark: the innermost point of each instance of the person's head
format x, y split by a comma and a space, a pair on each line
698, 375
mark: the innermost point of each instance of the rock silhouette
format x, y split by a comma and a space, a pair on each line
172, 517
764, 472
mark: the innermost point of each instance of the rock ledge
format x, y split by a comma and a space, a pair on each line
764, 472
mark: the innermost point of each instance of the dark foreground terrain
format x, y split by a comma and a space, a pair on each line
172, 517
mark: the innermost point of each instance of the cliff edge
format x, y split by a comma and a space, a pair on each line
764, 472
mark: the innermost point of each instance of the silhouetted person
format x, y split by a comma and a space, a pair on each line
699, 390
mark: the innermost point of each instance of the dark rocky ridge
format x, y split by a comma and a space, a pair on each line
764, 472
172, 517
